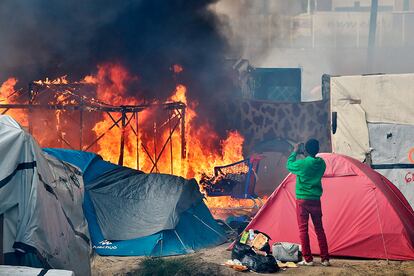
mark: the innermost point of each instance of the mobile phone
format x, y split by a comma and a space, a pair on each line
301, 148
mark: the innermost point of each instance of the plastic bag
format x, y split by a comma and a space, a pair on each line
260, 264
240, 250
286, 252
248, 257
256, 239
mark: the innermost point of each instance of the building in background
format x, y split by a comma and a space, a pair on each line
320, 36
266, 84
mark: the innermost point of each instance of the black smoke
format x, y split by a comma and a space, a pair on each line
43, 38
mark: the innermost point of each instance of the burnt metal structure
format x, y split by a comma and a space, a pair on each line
125, 116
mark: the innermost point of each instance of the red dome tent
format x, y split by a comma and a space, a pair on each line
364, 214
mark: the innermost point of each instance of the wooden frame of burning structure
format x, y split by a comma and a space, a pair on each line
71, 100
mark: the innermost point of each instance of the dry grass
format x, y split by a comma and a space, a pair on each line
208, 262
179, 266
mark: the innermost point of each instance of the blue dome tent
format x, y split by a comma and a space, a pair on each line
131, 213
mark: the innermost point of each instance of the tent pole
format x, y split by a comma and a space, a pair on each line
1, 240
162, 238
181, 241
382, 232
208, 226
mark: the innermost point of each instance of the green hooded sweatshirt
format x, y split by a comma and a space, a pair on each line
309, 172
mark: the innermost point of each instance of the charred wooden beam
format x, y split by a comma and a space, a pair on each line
121, 151
89, 107
183, 140
137, 137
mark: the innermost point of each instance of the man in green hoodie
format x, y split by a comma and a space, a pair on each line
309, 172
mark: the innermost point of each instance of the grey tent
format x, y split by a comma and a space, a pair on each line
131, 213
41, 204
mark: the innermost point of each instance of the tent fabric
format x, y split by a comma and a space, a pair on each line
131, 213
364, 214
41, 201
156, 199
363, 99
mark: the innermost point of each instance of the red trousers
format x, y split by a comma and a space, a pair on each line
304, 208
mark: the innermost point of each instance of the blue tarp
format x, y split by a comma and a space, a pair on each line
130, 213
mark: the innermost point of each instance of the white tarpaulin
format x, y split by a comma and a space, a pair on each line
7, 270
348, 139
392, 146
375, 117
391, 143
359, 100
41, 201
403, 179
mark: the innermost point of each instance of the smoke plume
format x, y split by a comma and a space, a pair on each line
333, 39
42, 38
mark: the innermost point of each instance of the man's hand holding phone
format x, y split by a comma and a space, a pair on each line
299, 148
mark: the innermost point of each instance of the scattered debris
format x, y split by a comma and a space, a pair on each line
236, 265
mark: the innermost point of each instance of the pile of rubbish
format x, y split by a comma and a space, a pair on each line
223, 184
253, 252
236, 180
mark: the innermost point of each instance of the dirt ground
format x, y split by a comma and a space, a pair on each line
211, 260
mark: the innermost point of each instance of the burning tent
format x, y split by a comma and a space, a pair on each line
131, 213
41, 205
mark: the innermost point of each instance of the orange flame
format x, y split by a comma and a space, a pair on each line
204, 148
111, 81
47, 81
7, 96
177, 68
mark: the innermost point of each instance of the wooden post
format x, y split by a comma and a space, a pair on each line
137, 137
155, 147
183, 142
121, 151
81, 125
171, 145
29, 110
